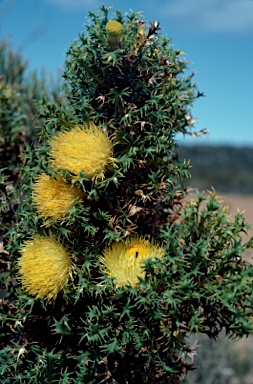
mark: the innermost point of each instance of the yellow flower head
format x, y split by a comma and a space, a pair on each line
123, 260
114, 31
82, 149
54, 197
45, 266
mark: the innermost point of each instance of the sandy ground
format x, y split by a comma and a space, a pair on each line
245, 204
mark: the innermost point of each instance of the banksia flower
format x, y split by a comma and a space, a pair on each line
54, 198
45, 266
115, 32
123, 260
82, 149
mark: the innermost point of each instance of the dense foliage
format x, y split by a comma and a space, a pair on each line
107, 169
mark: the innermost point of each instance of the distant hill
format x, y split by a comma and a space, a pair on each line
227, 169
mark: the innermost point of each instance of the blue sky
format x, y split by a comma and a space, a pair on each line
217, 36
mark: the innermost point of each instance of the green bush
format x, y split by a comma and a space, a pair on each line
21, 94
114, 273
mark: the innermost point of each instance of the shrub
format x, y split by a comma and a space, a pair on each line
139, 271
21, 93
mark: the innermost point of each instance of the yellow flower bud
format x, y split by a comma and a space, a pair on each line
115, 32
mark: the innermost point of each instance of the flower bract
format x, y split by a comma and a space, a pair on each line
114, 31
124, 260
45, 266
141, 35
54, 197
85, 149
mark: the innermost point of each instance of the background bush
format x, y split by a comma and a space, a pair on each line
21, 94
228, 169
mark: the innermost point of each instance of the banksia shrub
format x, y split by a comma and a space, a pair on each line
147, 267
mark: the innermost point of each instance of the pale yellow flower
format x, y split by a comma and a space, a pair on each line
82, 149
54, 198
124, 260
114, 31
45, 266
